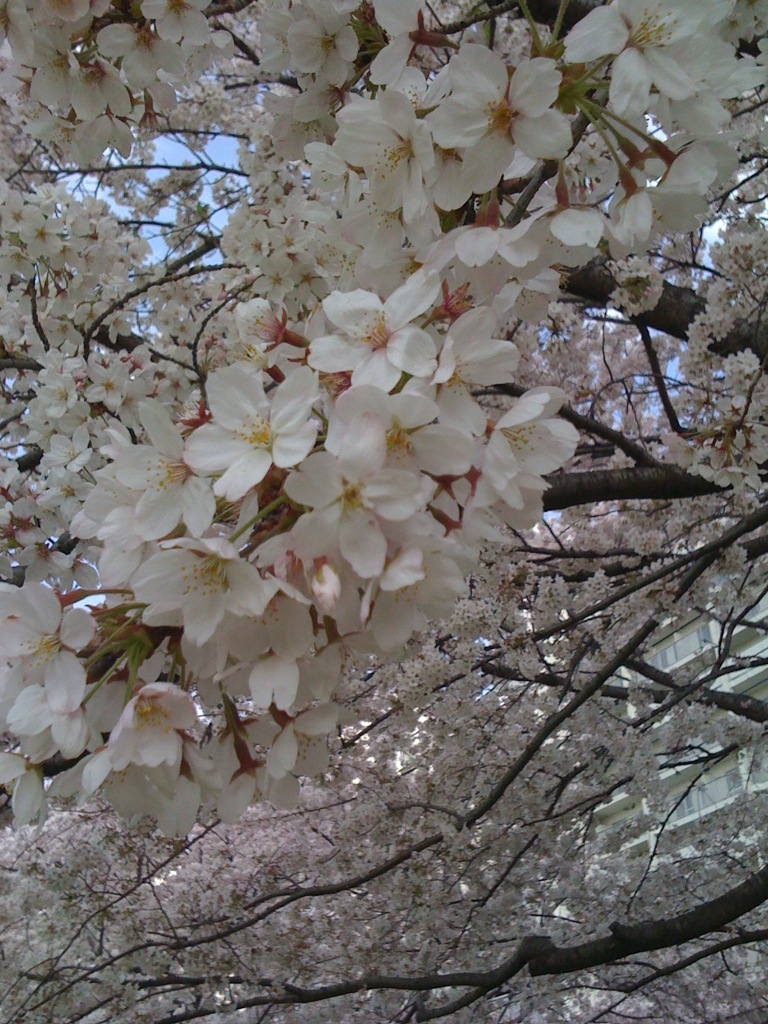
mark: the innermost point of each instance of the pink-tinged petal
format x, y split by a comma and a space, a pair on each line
412, 299
249, 594
398, 112
546, 137
70, 733
249, 470
31, 712
413, 351
578, 227
157, 515
534, 86
396, 494
412, 410
64, 683
389, 62
18, 638
668, 77
274, 679
236, 798
96, 769
282, 756
212, 448
158, 578
603, 31
236, 397
393, 621
458, 408
28, 801
44, 607
293, 399
291, 633
397, 16
476, 246
158, 746
635, 220
404, 571
319, 482
355, 312
290, 449
479, 73
630, 82
536, 404
198, 505
160, 429
485, 164
363, 544
443, 452
77, 629
455, 124
334, 354
283, 793
203, 613
317, 722
376, 369
364, 448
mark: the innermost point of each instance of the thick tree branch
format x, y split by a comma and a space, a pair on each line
673, 313
641, 482
672, 931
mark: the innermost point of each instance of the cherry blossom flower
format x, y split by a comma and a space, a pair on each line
413, 440
489, 114
471, 356
351, 495
249, 432
36, 630
322, 43
393, 146
196, 582
170, 492
143, 53
650, 38
527, 443
399, 19
378, 340
148, 732
178, 19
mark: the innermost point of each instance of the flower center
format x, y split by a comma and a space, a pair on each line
519, 437
652, 31
399, 441
500, 117
377, 332
208, 575
147, 713
260, 434
351, 497
47, 648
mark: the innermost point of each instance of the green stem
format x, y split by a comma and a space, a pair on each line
538, 48
602, 112
559, 19
267, 510
100, 682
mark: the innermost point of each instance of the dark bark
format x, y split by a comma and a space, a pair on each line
639, 482
673, 314
626, 939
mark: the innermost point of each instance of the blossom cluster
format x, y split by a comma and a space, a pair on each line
320, 508
222, 520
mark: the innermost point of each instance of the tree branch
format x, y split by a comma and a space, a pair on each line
672, 931
673, 313
625, 484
